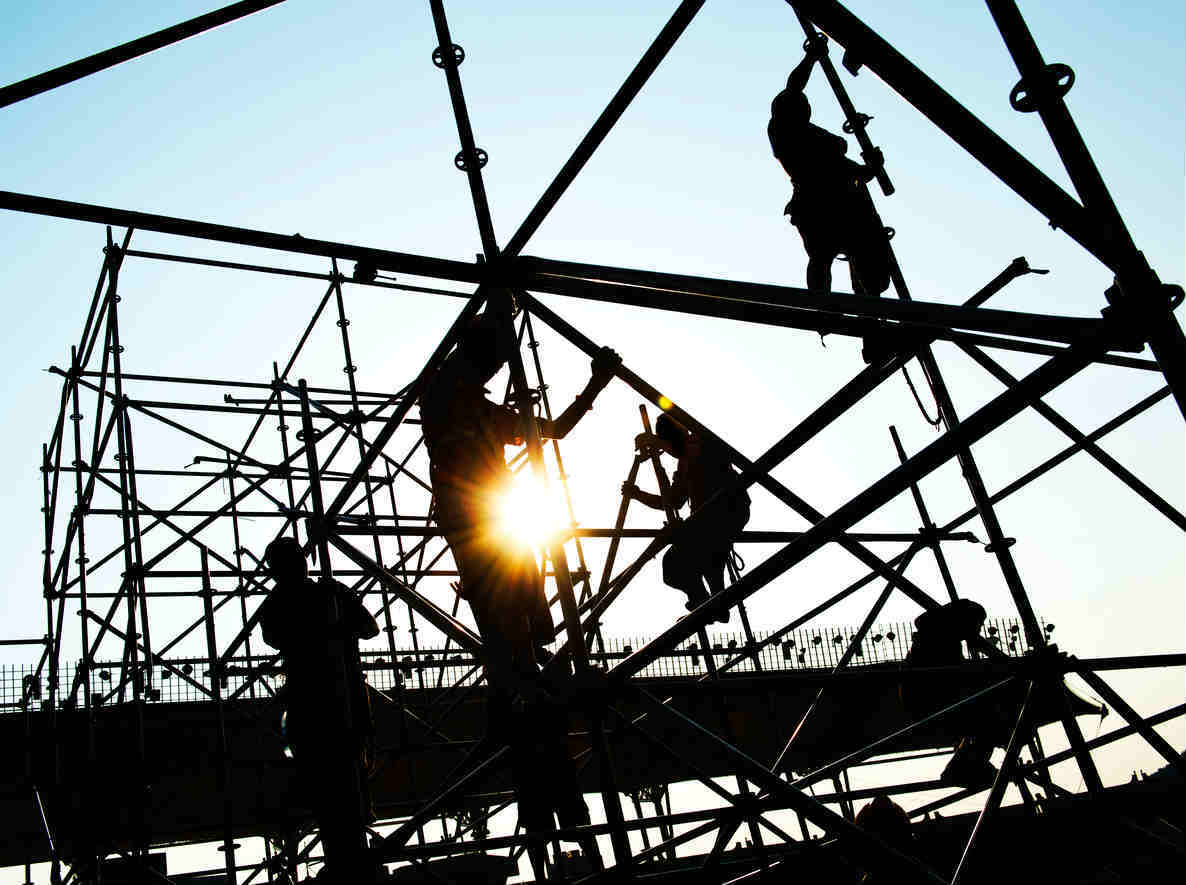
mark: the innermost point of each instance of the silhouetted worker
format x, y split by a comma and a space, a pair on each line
316, 626
701, 555
938, 637
830, 205
889, 822
465, 434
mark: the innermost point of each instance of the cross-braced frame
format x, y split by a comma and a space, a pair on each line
348, 469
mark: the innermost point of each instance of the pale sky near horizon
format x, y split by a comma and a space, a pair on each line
330, 120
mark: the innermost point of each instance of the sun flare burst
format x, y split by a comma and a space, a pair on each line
529, 512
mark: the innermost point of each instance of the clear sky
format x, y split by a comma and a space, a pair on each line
330, 120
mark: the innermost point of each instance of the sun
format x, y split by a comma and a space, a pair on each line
529, 512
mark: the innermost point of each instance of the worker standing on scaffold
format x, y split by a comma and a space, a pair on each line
699, 557
465, 434
316, 626
830, 205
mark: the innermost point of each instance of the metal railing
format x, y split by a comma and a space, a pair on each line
187, 680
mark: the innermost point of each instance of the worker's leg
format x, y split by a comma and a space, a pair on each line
819, 272
866, 241
818, 225
725, 525
714, 576
870, 266
681, 570
330, 776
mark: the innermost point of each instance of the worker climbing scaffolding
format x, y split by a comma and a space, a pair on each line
830, 205
508, 603
465, 434
316, 626
701, 556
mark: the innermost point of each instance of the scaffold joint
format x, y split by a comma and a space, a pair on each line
439, 57
462, 162
1133, 314
862, 120
1054, 82
816, 45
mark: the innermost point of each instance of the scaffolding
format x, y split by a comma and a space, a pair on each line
158, 570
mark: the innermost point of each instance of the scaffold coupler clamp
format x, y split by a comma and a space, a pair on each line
1019, 267
532, 397
440, 56
862, 120
1052, 84
994, 547
114, 256
1133, 312
929, 535
464, 161
364, 271
816, 45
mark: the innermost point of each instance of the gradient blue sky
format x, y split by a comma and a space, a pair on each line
330, 120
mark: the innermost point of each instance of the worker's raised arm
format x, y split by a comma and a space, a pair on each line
797, 81
604, 365
814, 49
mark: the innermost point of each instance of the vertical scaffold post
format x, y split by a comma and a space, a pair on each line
318, 529
224, 756
709, 652
133, 585
1138, 292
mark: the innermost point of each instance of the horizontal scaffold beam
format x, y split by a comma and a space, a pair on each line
383, 259
785, 305
751, 302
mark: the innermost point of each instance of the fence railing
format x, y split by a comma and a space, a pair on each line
189, 679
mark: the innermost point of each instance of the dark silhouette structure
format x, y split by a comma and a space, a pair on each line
831, 206
316, 626
704, 479
115, 766
939, 639
889, 822
465, 434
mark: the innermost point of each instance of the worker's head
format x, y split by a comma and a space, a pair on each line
961, 619
672, 432
286, 560
482, 345
790, 106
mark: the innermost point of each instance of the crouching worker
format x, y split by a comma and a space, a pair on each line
316, 626
830, 204
698, 556
938, 638
465, 434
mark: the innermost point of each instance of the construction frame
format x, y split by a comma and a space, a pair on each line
352, 515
